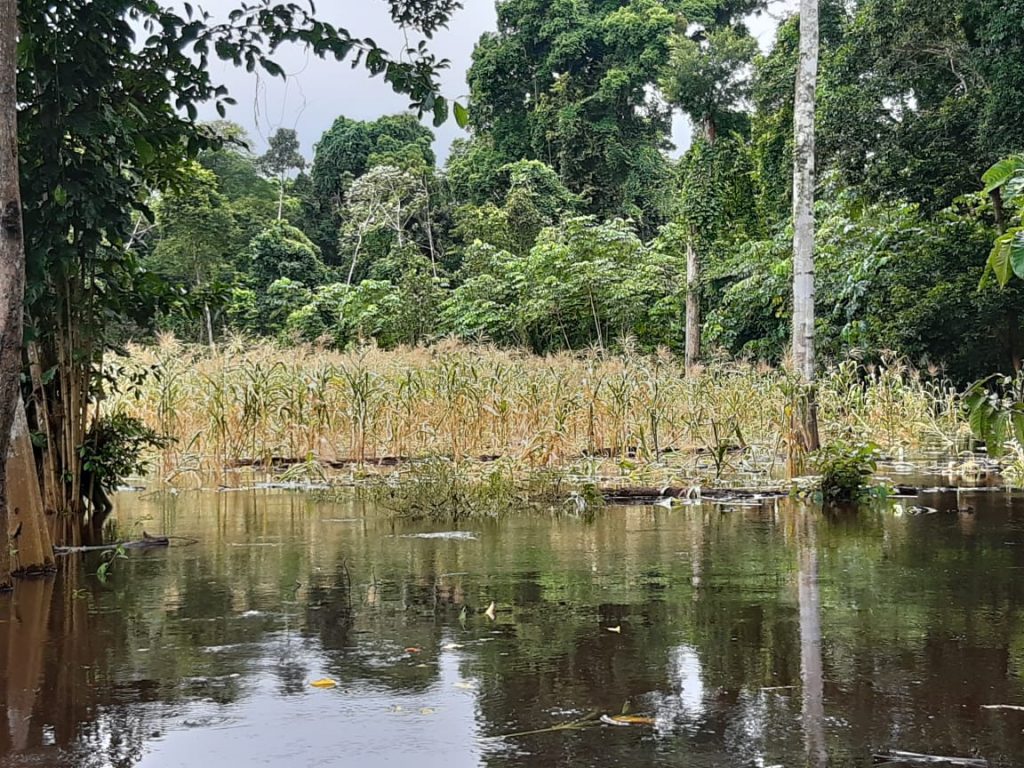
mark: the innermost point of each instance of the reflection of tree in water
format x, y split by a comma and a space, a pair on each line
366, 628
57, 695
811, 672
329, 613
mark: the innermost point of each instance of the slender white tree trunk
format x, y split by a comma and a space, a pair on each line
803, 436
692, 306
280, 196
12, 260
803, 192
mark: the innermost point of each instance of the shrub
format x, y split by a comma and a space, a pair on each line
844, 469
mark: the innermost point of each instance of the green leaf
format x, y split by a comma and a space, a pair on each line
272, 68
1017, 419
1016, 249
440, 108
979, 418
999, 261
461, 115
1002, 172
145, 150
60, 195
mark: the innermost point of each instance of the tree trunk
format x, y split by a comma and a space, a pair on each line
31, 547
806, 437
209, 323
803, 193
695, 241
12, 259
51, 483
692, 306
280, 197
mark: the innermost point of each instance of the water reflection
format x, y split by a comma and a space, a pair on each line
751, 636
811, 673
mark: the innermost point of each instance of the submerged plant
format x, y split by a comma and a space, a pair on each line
844, 469
442, 490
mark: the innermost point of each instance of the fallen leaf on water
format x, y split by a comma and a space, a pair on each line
466, 686
489, 613
632, 720
427, 710
412, 649
611, 721
617, 629
324, 682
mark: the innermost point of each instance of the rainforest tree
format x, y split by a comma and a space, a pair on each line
104, 118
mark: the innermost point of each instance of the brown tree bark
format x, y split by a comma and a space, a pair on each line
12, 259
31, 548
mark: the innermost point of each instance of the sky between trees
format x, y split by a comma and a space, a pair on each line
317, 91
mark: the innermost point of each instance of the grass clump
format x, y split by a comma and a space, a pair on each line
439, 489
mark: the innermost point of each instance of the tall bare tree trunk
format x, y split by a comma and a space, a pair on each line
695, 243
12, 259
805, 414
803, 192
692, 306
280, 197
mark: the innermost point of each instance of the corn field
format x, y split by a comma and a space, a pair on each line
256, 402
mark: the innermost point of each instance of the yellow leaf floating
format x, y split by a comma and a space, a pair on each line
617, 629
489, 613
633, 719
324, 682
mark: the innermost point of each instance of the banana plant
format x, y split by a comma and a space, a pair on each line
1004, 182
995, 410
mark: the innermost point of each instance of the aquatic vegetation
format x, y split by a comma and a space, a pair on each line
844, 469
440, 489
626, 416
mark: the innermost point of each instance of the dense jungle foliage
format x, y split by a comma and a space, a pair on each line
562, 221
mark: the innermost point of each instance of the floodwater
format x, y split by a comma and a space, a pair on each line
751, 636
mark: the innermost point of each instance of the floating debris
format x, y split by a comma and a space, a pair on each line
324, 682
457, 535
627, 720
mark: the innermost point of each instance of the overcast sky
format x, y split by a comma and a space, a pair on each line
318, 91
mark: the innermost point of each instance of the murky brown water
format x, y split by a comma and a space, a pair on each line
204, 655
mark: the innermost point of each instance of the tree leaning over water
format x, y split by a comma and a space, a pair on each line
103, 97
